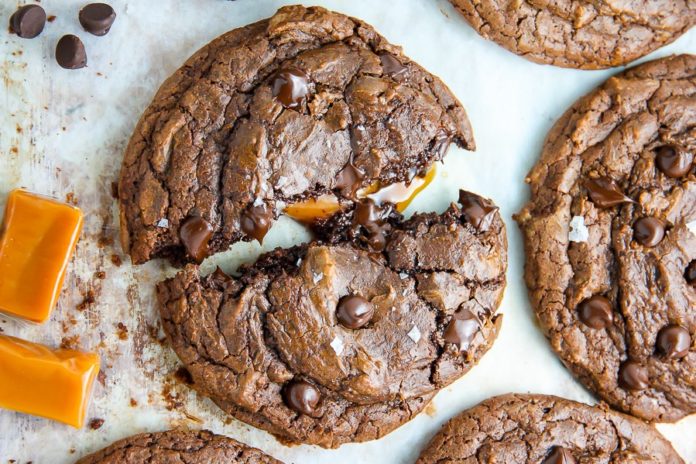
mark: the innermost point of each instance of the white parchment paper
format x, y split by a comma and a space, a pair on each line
62, 133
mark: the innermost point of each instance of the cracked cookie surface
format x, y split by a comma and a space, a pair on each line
329, 343
533, 429
610, 239
199, 447
306, 103
579, 33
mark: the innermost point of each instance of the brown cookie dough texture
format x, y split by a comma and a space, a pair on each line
178, 446
610, 239
540, 429
287, 108
580, 34
328, 343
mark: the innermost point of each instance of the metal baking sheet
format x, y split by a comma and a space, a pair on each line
62, 133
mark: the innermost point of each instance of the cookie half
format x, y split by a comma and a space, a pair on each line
330, 342
610, 238
178, 446
533, 429
304, 104
579, 34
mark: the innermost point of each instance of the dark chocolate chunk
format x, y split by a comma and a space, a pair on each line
673, 341
195, 233
97, 18
559, 455
70, 52
28, 21
291, 87
256, 221
690, 273
477, 210
302, 397
391, 66
462, 329
354, 312
596, 312
633, 376
606, 193
371, 218
674, 161
649, 231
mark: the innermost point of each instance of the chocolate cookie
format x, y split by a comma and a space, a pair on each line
540, 429
304, 104
178, 446
332, 342
580, 34
610, 239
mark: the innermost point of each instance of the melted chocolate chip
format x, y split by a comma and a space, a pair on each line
371, 218
256, 221
633, 376
462, 329
28, 21
70, 52
354, 312
596, 312
690, 273
478, 211
674, 161
97, 18
291, 87
302, 397
559, 455
649, 231
605, 193
391, 66
673, 341
349, 180
195, 233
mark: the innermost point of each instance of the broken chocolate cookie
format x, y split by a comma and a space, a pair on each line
333, 341
305, 104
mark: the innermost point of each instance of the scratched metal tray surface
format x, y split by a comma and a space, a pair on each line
63, 133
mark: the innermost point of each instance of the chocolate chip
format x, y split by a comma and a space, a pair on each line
690, 273
354, 312
649, 231
559, 455
302, 397
70, 52
673, 161
371, 218
195, 233
291, 87
349, 180
606, 193
391, 66
596, 312
478, 211
256, 221
633, 376
97, 18
462, 329
28, 21
673, 341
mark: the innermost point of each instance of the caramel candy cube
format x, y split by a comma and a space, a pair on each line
37, 240
36, 380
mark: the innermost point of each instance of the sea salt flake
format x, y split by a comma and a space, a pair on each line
317, 277
578, 231
299, 261
403, 275
258, 201
282, 181
692, 227
414, 334
163, 223
337, 345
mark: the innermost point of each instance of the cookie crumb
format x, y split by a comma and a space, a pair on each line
96, 424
